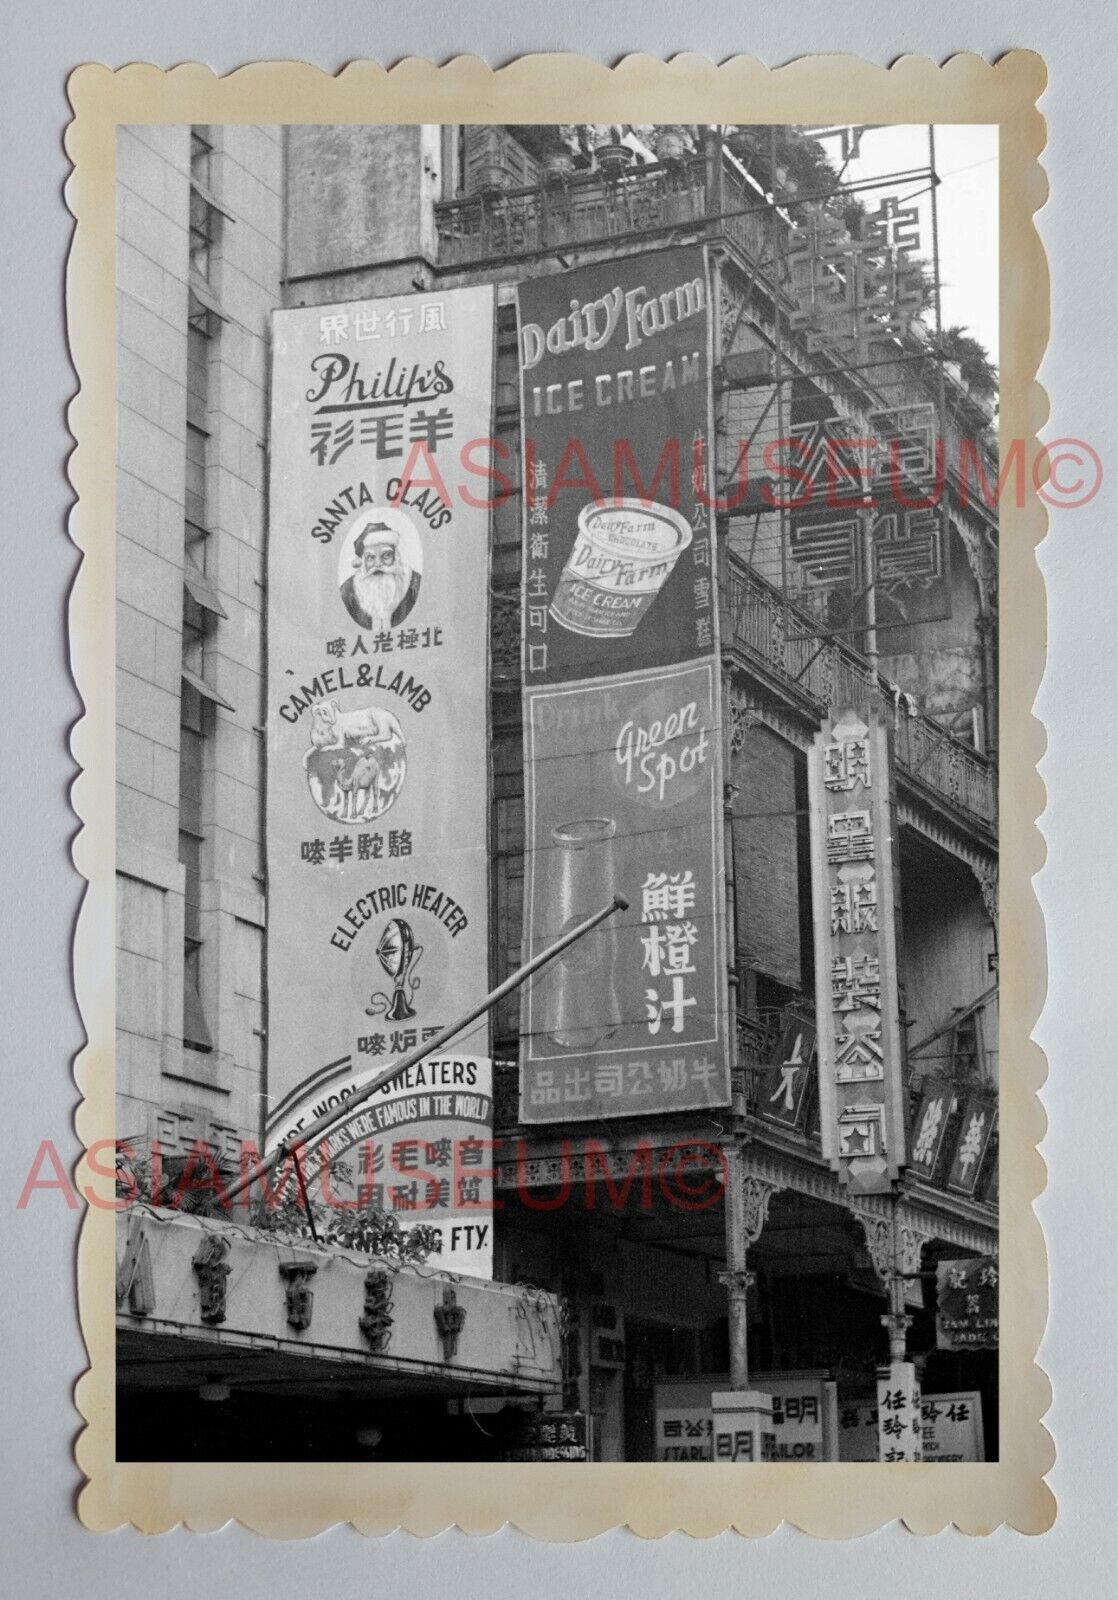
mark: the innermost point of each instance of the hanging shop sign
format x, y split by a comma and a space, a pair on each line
377, 606
622, 700
967, 1304
861, 1092
783, 1090
979, 1116
550, 1436
929, 1128
950, 1428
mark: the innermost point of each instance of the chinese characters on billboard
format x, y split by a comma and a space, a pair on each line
622, 698
377, 607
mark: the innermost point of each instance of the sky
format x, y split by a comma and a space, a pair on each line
967, 163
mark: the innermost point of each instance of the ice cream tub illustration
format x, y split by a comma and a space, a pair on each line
624, 552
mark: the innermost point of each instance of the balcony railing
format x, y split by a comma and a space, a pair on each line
765, 630
584, 209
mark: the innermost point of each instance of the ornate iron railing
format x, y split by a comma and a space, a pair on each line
764, 629
585, 208
594, 207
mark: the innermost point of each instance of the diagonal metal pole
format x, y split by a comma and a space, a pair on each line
333, 1119
301, 1175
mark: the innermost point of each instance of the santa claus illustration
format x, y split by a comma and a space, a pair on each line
382, 588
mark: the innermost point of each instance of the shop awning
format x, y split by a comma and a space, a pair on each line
174, 1299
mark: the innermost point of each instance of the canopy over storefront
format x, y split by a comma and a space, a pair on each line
214, 1298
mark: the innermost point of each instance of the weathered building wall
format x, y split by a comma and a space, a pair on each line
360, 218
766, 870
192, 425
941, 662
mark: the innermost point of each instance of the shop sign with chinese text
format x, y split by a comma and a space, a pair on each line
929, 1127
551, 1436
967, 1304
783, 1089
376, 726
804, 1421
979, 1115
899, 1432
861, 1093
622, 698
950, 1428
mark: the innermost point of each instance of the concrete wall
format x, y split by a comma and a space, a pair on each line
360, 211
163, 1090
766, 870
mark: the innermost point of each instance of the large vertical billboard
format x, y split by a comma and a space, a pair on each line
860, 1052
622, 698
377, 607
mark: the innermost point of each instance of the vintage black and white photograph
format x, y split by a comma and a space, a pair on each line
557, 732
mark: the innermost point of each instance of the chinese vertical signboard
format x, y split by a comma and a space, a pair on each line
622, 700
850, 291
899, 1432
377, 609
929, 1127
859, 1043
852, 294
974, 1136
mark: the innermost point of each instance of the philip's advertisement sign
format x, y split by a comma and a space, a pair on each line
377, 607
622, 705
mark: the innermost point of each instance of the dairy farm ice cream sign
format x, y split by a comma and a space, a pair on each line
623, 789
624, 552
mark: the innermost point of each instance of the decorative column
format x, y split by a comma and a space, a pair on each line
747, 1209
742, 1416
895, 1247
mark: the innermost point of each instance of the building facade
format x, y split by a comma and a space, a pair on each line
770, 1265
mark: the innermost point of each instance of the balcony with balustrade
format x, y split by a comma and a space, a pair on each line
781, 643
580, 211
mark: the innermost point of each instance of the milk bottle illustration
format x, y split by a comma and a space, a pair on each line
580, 1003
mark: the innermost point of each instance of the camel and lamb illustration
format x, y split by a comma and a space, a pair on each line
357, 761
